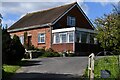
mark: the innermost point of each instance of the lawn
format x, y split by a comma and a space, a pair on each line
107, 63
9, 70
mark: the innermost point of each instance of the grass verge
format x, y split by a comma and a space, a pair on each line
109, 63
9, 70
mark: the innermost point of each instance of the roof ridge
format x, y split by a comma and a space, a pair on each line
51, 8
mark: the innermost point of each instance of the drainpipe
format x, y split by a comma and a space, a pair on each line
50, 35
74, 40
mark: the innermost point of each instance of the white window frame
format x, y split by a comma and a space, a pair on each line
68, 36
71, 21
21, 39
61, 37
40, 36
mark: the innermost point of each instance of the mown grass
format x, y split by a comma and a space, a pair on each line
9, 70
109, 63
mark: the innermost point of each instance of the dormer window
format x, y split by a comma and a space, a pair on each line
71, 21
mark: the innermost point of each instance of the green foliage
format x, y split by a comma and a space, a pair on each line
18, 48
12, 49
9, 70
50, 53
107, 63
108, 28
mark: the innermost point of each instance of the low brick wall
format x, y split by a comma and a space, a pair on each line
63, 47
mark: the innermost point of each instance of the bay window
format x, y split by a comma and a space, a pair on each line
64, 37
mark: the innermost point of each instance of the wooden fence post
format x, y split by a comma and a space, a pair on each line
91, 66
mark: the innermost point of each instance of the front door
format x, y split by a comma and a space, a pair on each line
29, 41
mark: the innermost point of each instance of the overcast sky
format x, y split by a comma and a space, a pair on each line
13, 10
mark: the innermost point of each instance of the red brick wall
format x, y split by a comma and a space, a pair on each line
63, 47
34, 34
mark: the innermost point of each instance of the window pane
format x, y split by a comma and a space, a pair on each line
21, 39
70, 21
41, 38
57, 38
83, 37
38, 38
70, 37
91, 38
63, 37
77, 37
42, 35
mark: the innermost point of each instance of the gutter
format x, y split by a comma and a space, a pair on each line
30, 27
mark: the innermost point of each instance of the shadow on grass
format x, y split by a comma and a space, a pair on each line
43, 76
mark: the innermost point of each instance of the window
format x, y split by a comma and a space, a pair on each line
92, 38
83, 37
66, 37
71, 21
41, 38
56, 38
22, 39
63, 37
70, 37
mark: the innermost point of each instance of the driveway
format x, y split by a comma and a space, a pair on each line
52, 68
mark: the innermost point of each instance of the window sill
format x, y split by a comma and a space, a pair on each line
42, 43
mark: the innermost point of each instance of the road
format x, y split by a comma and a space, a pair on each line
52, 68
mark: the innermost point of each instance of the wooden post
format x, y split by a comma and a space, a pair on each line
91, 66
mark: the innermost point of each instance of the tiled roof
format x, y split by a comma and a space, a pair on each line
41, 17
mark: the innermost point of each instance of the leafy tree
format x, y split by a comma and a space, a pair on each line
108, 28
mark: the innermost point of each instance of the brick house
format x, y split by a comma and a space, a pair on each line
63, 28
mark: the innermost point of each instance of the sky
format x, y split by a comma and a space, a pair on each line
13, 10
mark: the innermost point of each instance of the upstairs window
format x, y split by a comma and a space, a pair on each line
41, 38
71, 21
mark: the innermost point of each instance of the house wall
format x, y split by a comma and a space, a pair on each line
81, 21
34, 33
63, 47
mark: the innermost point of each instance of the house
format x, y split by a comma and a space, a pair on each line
63, 28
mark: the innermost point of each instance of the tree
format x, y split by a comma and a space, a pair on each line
12, 49
108, 28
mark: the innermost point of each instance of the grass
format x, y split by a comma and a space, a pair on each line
9, 70
107, 63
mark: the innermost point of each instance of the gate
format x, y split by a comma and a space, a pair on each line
104, 67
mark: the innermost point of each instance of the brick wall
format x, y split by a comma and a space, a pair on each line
34, 33
62, 47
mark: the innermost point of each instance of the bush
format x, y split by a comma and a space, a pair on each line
50, 54
12, 49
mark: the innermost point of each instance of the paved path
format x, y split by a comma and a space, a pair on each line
49, 68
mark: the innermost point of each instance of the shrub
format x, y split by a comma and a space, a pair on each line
51, 54
12, 49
